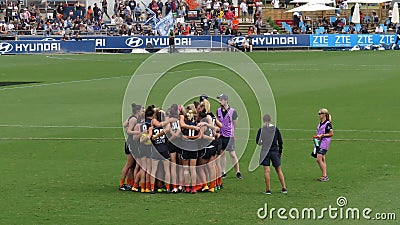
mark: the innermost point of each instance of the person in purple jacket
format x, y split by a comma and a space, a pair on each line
324, 134
228, 118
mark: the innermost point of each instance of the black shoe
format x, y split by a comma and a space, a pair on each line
223, 175
239, 175
284, 191
152, 192
122, 188
221, 187
267, 192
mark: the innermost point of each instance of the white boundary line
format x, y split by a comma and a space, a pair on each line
116, 127
121, 139
58, 126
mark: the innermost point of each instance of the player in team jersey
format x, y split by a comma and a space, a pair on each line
145, 150
130, 148
208, 148
159, 151
173, 132
190, 132
211, 128
135, 152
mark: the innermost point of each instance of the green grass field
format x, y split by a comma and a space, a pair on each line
61, 145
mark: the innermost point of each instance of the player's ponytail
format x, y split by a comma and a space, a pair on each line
329, 117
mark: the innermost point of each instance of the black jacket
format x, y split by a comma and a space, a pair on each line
269, 134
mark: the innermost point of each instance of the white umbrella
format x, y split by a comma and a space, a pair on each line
313, 1
395, 16
355, 18
312, 7
368, 1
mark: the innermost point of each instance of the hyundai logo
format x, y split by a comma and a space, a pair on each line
134, 42
5, 47
238, 40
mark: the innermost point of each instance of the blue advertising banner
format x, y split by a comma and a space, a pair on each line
350, 40
259, 41
126, 42
273, 41
33, 47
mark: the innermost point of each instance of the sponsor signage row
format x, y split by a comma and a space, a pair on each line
35, 44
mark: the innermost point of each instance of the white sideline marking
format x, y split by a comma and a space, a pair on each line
121, 139
57, 126
116, 127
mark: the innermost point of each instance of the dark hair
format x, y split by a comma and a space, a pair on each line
160, 115
135, 108
196, 104
149, 111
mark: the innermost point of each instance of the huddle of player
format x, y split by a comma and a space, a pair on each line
179, 147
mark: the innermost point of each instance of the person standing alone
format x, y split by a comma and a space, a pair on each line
324, 135
270, 138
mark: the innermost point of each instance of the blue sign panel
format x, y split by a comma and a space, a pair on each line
350, 40
273, 41
126, 42
32, 47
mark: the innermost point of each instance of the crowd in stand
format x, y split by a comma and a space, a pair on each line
132, 17
129, 17
340, 24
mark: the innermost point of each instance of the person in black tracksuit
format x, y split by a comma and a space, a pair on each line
270, 138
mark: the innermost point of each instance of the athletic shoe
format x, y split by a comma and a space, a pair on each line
221, 187
323, 179
217, 187
135, 189
147, 191
284, 191
142, 190
267, 192
193, 191
122, 187
187, 190
152, 191
239, 175
205, 188
180, 189
223, 175
159, 190
175, 190
167, 191
128, 188
211, 190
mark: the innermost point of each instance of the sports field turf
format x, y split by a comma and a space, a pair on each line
61, 145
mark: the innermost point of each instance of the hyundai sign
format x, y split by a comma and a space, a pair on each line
33, 47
